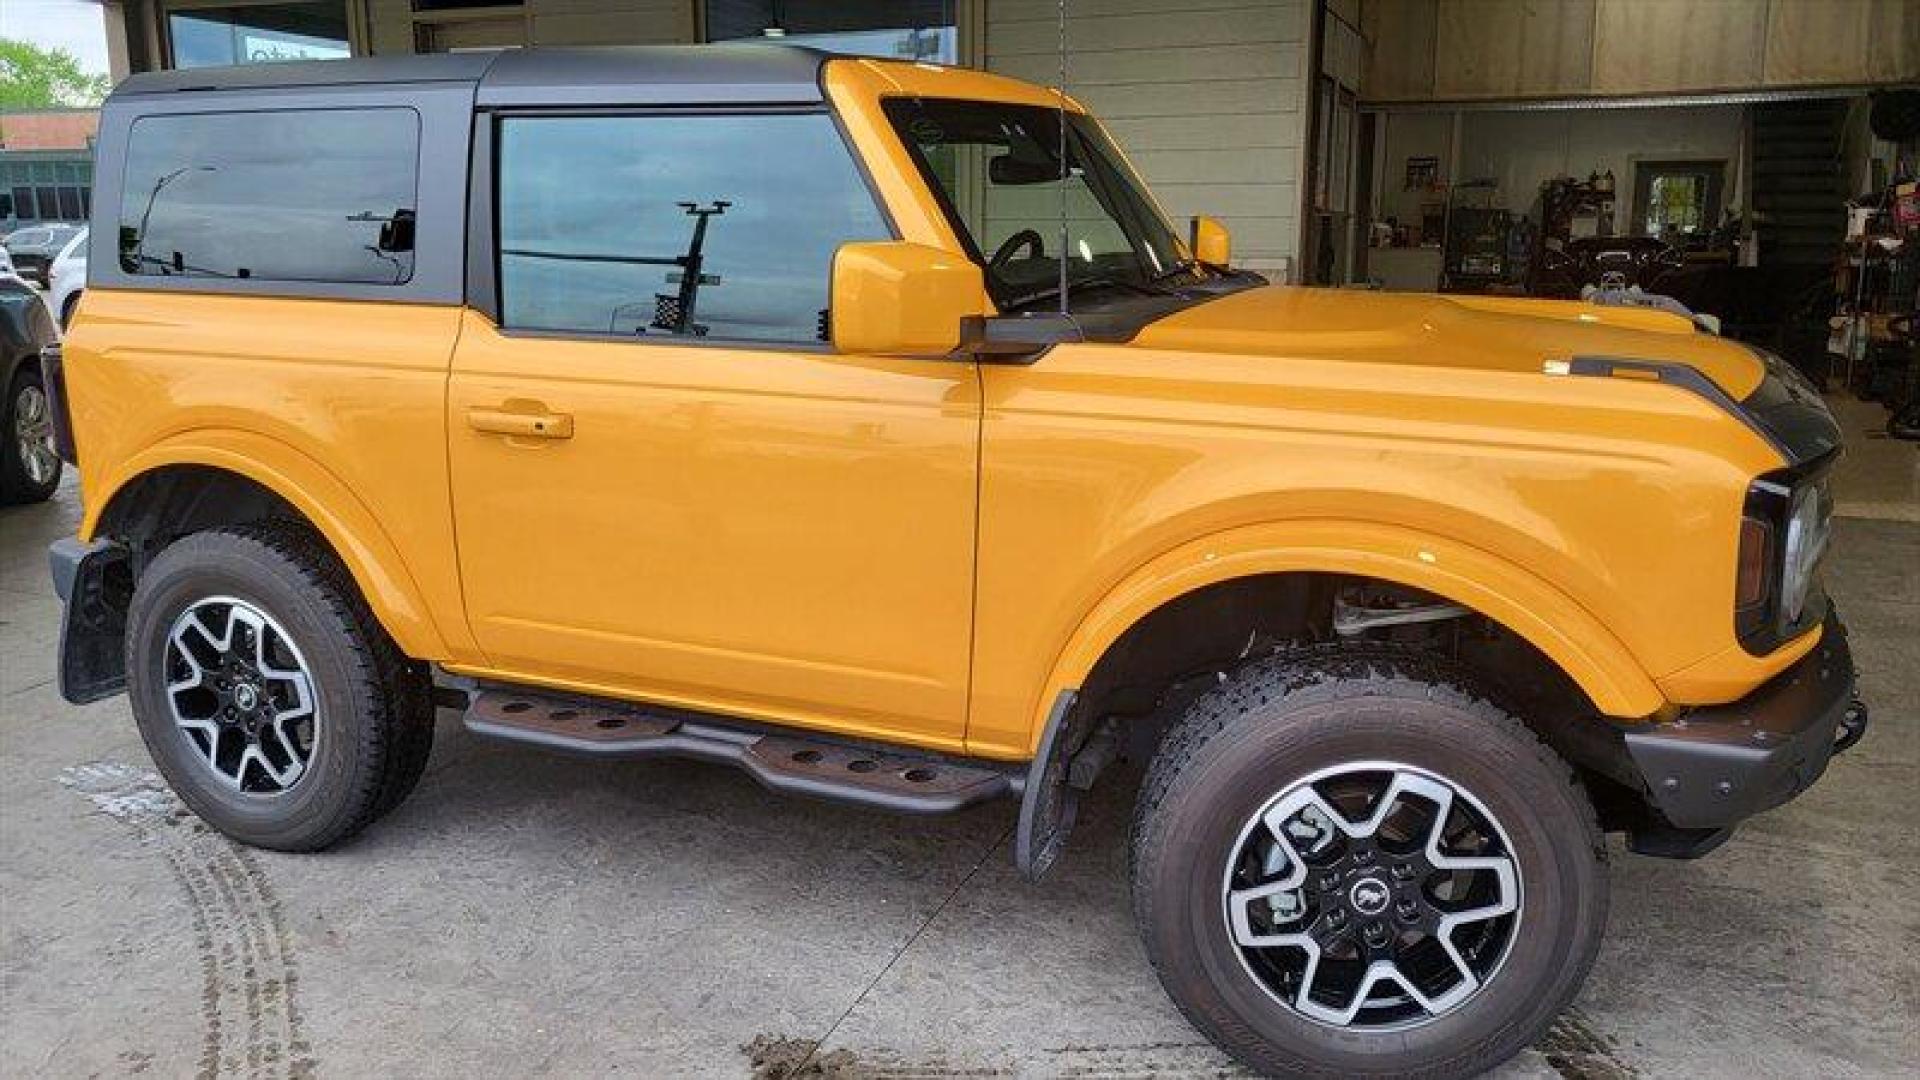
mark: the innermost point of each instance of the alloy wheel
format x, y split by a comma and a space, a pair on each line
33, 435
1373, 896
242, 696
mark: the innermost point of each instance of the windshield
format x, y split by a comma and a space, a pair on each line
997, 169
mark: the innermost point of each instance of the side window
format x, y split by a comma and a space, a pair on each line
322, 195
676, 225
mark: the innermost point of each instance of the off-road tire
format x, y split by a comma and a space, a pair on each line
1280, 719
376, 708
17, 486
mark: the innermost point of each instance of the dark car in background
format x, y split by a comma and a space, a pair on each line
29, 465
34, 248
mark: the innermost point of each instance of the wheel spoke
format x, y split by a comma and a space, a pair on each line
196, 678
1239, 903
281, 776
42, 463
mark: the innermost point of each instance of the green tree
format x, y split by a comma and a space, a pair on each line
35, 78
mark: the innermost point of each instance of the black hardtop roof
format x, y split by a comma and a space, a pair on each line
646, 74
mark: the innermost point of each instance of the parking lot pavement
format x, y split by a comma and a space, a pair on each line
529, 915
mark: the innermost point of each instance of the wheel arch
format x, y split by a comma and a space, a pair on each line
1512, 597
206, 479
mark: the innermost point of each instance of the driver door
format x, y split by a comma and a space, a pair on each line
680, 494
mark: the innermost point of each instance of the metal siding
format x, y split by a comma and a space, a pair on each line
1499, 50
612, 22
1206, 96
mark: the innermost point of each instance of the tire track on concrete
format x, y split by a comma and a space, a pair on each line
250, 1018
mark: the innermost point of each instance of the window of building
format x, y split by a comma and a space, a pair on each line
1674, 199
207, 35
300, 195
44, 189
659, 225
903, 30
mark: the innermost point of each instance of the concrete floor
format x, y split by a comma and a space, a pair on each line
529, 915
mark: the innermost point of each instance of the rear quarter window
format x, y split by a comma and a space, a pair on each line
313, 195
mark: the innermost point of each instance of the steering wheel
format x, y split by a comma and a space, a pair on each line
1027, 238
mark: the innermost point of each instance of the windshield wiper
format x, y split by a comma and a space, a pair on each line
1189, 266
1092, 281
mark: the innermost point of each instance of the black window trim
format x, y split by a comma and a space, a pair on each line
483, 225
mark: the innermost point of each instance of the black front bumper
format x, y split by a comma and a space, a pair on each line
1714, 766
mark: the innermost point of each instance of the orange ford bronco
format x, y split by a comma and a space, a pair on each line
867, 426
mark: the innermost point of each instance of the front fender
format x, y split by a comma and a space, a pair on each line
1511, 595
352, 530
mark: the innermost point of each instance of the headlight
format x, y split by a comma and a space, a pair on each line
1807, 531
1782, 539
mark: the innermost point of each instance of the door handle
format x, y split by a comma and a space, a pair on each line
524, 425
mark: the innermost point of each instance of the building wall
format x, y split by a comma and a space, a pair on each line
1493, 49
1522, 150
394, 27
49, 129
1208, 97
1411, 135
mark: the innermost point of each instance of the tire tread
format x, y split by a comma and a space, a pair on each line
392, 691
1316, 675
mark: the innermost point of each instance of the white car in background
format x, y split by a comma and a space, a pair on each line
67, 278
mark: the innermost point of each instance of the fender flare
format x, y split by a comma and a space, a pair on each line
349, 527
1535, 609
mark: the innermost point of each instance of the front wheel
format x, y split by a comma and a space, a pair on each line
1346, 864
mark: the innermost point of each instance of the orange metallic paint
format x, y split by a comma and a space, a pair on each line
1600, 517
903, 299
773, 532
337, 407
929, 551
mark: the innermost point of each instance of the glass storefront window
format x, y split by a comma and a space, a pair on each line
43, 191
258, 33
906, 30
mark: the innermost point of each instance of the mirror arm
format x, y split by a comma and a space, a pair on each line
1015, 339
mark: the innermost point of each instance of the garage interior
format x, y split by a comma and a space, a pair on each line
521, 915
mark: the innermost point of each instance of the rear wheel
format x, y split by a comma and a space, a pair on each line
269, 697
1346, 864
29, 465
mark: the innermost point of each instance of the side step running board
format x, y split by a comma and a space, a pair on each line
889, 780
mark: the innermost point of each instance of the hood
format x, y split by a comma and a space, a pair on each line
1480, 333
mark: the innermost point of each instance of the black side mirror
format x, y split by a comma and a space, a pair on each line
396, 233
